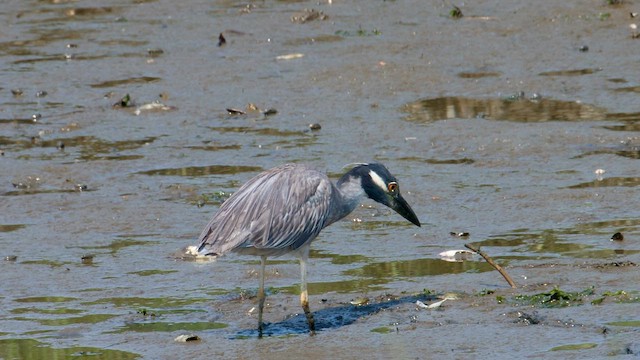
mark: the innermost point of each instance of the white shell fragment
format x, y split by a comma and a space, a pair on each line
456, 255
435, 305
153, 107
289, 56
187, 338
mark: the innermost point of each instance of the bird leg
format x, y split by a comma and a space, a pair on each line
304, 294
261, 294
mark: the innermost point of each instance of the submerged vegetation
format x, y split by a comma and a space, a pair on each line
558, 298
554, 298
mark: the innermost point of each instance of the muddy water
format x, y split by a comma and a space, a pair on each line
495, 124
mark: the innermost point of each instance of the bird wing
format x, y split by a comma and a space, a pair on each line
275, 212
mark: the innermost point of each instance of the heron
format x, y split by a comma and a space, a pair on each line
282, 210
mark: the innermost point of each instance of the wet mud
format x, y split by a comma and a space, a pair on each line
124, 126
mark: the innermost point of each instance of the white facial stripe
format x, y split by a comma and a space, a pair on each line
378, 180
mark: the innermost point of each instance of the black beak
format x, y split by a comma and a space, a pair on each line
400, 205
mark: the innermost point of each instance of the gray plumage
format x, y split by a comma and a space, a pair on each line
283, 209
264, 217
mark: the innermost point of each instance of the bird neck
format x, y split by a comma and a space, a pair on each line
348, 194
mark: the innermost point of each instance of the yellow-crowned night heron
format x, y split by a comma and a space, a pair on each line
283, 209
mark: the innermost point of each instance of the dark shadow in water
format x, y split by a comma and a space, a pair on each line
630, 152
478, 74
37, 191
607, 182
11, 227
256, 131
576, 72
89, 147
34, 349
192, 171
129, 81
329, 318
518, 110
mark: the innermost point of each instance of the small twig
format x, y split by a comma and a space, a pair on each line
492, 263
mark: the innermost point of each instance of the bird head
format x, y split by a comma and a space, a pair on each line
381, 186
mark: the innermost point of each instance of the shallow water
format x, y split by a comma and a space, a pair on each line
495, 124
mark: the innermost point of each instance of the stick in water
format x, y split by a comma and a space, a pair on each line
492, 263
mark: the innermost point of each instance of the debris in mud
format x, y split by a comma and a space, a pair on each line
617, 237
155, 106
215, 198
144, 312
307, 15
221, 40
28, 183
359, 301
631, 349
252, 108
535, 97
155, 52
124, 102
233, 111
615, 264
455, 13
459, 234
520, 95
246, 9
528, 319
269, 112
187, 338
386, 297
456, 255
359, 32
87, 259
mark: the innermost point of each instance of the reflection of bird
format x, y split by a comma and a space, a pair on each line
283, 209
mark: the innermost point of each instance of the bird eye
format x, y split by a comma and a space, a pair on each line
392, 186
